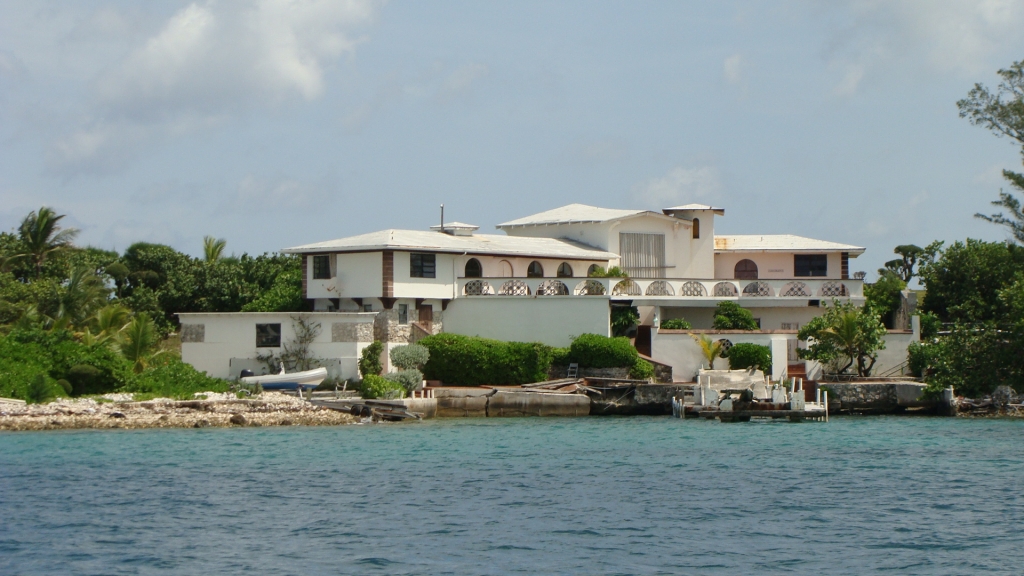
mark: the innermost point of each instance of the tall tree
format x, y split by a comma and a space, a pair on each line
41, 235
1002, 112
904, 266
213, 248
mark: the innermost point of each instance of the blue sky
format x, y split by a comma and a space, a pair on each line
279, 123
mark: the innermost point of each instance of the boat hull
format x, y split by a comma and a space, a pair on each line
293, 381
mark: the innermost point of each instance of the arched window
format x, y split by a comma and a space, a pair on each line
535, 270
474, 269
696, 228
745, 270
506, 269
564, 270
592, 270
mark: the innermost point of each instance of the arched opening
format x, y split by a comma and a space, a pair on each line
535, 270
745, 270
474, 269
592, 270
564, 270
696, 228
506, 269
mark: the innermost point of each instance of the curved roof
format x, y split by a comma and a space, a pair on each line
416, 240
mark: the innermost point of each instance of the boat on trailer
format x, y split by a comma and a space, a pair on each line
306, 379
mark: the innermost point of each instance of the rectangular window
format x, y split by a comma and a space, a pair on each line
422, 265
321, 267
268, 335
642, 255
810, 265
403, 313
367, 307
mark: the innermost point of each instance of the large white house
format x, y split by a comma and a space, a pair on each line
532, 282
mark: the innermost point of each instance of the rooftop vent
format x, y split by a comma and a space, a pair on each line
456, 228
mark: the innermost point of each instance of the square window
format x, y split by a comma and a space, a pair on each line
268, 335
367, 307
403, 313
321, 267
810, 265
422, 265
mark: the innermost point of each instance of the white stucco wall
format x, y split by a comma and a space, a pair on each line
358, 275
553, 320
772, 318
679, 350
442, 285
233, 335
771, 265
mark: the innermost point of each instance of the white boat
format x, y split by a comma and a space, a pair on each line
285, 381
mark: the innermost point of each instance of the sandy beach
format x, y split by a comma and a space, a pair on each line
120, 411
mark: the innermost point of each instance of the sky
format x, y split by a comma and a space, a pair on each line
276, 123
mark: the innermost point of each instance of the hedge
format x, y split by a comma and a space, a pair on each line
410, 380
468, 361
745, 355
374, 386
675, 324
596, 351
410, 356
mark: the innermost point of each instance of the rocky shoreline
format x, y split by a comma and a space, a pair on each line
207, 410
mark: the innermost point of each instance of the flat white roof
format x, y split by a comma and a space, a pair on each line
719, 211
421, 240
780, 243
578, 214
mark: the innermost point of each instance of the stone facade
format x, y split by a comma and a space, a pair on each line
351, 332
386, 327
193, 333
874, 396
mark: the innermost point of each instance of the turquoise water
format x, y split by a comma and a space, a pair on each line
497, 496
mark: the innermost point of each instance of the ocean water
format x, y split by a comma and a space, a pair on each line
499, 496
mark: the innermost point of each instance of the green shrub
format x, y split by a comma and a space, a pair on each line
596, 351
41, 389
559, 356
930, 325
369, 361
744, 356
86, 379
169, 377
675, 324
729, 316
470, 361
412, 356
921, 356
641, 370
410, 379
24, 353
374, 386
623, 319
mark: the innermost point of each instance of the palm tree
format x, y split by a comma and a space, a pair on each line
139, 340
845, 335
106, 324
41, 235
213, 248
710, 348
79, 298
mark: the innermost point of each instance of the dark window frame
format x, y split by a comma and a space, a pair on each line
530, 273
564, 265
696, 228
321, 267
479, 271
422, 265
268, 335
403, 314
810, 265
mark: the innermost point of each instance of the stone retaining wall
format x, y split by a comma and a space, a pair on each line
875, 397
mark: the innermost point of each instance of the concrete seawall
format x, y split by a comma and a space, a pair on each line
876, 397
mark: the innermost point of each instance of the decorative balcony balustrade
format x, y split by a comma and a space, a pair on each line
667, 288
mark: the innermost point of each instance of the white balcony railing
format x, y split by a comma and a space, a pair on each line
668, 288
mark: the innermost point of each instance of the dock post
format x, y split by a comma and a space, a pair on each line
825, 397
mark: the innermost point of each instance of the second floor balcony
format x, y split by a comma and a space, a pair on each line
666, 289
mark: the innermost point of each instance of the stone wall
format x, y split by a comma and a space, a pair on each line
875, 397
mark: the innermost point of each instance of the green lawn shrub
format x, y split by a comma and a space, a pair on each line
469, 361
42, 389
411, 379
641, 370
409, 357
169, 377
369, 360
596, 351
675, 324
729, 316
744, 356
374, 386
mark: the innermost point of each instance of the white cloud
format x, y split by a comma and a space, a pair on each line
680, 185
948, 36
209, 61
733, 68
461, 80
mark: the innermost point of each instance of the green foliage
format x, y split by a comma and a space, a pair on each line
963, 281
85, 379
596, 351
623, 319
641, 370
744, 356
675, 324
369, 360
213, 248
729, 316
374, 386
613, 272
559, 356
930, 325
410, 379
42, 389
903, 267
25, 353
169, 377
139, 341
974, 360
409, 357
883, 297
711, 349
468, 361
844, 333
41, 235
284, 296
